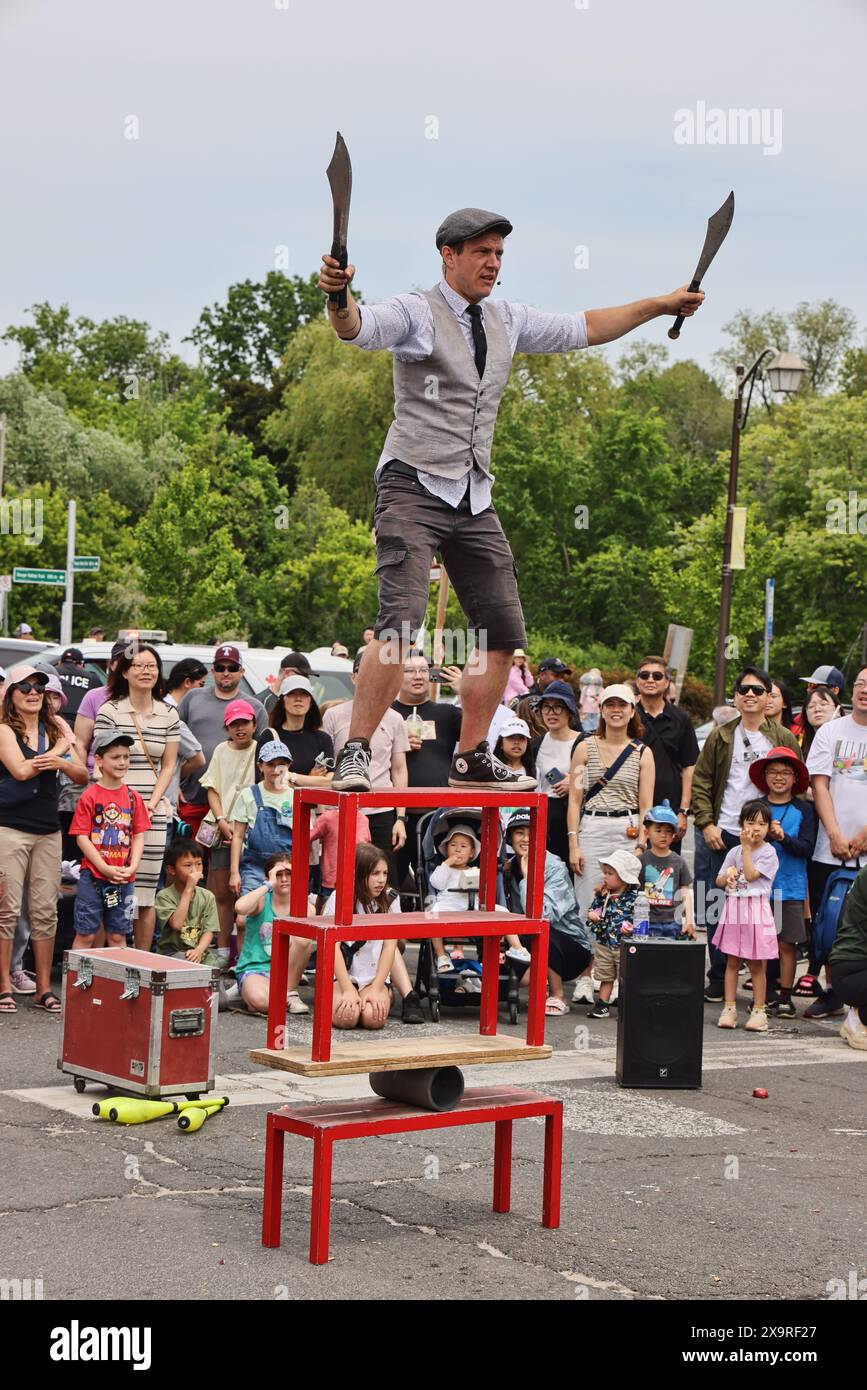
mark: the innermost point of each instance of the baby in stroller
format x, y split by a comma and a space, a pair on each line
455, 883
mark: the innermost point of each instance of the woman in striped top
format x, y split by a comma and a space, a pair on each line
606, 812
134, 707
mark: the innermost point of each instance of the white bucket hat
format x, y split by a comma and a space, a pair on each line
624, 863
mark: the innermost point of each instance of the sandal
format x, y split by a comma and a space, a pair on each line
808, 987
49, 1002
556, 1006
7, 1004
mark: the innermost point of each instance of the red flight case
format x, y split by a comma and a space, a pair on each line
139, 1021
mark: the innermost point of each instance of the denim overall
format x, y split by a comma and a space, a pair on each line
270, 834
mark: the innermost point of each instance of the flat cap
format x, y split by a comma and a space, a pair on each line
469, 222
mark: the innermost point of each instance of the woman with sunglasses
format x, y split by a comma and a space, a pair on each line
33, 750
720, 786
135, 707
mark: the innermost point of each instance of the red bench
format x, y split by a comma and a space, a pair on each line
358, 1119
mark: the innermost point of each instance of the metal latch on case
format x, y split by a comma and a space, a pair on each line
186, 1023
131, 983
85, 974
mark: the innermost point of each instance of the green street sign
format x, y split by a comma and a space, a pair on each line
26, 576
85, 563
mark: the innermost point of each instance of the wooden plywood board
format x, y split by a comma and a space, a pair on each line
403, 1054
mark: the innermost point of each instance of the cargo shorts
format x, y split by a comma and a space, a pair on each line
411, 526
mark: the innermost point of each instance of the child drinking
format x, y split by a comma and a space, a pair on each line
610, 917
453, 892
362, 987
264, 903
746, 929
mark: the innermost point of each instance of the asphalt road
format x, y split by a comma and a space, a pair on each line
707, 1194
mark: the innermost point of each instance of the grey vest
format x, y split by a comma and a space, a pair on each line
444, 415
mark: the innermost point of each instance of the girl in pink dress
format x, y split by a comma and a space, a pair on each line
746, 928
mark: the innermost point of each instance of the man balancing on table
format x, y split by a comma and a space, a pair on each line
452, 358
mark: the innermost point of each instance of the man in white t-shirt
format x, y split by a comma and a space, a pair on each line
837, 763
720, 786
389, 745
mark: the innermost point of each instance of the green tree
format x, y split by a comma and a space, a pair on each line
247, 336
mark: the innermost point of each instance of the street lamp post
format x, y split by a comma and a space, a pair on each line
784, 375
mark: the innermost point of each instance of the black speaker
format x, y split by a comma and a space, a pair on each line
660, 1010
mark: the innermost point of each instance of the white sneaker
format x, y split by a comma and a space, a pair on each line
729, 1017
614, 993
852, 1031
22, 982
518, 953
295, 1004
757, 1022
471, 981
583, 992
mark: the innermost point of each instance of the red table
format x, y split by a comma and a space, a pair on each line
359, 1119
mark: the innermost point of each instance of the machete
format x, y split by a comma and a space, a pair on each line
339, 174
717, 231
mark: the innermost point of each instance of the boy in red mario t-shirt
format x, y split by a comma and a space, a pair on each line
109, 825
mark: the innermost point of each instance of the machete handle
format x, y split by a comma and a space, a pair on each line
674, 330
340, 255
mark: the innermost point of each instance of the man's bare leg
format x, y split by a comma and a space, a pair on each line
482, 685
379, 678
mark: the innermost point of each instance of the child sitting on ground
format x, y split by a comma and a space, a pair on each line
109, 825
186, 912
362, 987
264, 903
610, 917
665, 877
457, 891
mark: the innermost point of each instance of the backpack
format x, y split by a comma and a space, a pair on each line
830, 908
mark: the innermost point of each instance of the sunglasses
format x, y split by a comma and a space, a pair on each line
30, 687
221, 670
752, 690
652, 676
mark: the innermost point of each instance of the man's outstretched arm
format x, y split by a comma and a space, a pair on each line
604, 325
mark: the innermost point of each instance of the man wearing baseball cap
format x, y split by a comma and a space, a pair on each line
550, 668
75, 679
434, 478
828, 676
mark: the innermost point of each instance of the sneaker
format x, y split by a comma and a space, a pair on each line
826, 1006
599, 1010
352, 773
757, 1022
445, 966
729, 1016
24, 983
226, 996
295, 1004
518, 953
412, 1011
853, 1032
472, 982
583, 992
781, 1008
479, 769
714, 994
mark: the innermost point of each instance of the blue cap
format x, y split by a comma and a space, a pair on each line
270, 752
661, 815
562, 691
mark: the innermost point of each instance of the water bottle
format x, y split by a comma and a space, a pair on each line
641, 916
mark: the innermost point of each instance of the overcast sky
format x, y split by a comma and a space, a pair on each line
560, 114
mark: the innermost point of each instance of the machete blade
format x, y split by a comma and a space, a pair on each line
717, 231
339, 174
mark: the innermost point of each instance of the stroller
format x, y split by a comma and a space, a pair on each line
446, 991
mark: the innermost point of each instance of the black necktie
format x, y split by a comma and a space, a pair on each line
480, 342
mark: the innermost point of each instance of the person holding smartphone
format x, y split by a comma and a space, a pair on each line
553, 752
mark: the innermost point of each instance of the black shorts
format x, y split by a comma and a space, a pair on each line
411, 526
